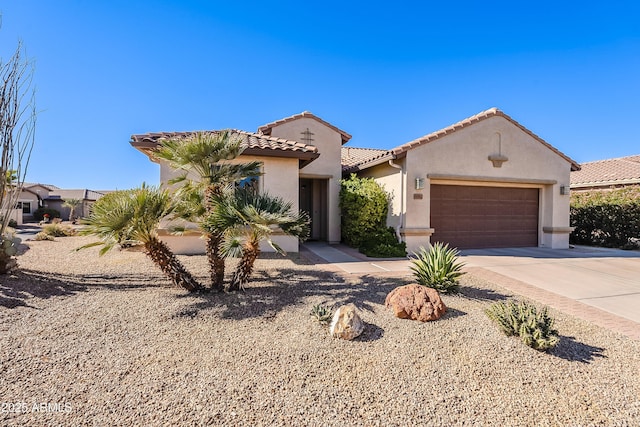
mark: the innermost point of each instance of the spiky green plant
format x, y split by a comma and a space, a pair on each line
133, 216
58, 230
247, 218
438, 267
43, 236
535, 328
322, 313
206, 156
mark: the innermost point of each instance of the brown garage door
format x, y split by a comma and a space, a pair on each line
484, 217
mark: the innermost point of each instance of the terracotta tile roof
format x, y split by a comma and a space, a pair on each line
253, 143
266, 129
610, 172
492, 112
354, 159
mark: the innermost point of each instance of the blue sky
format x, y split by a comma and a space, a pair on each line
385, 72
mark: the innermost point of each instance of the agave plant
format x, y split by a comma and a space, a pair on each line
438, 267
322, 313
535, 328
133, 215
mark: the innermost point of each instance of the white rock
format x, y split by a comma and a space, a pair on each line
346, 323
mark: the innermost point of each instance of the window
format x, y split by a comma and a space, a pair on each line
250, 183
25, 206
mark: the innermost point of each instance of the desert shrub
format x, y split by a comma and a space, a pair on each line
383, 243
39, 214
535, 328
58, 230
609, 218
43, 236
322, 313
364, 205
438, 267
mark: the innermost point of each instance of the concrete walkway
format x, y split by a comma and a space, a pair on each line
595, 284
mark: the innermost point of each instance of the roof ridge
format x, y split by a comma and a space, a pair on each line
266, 129
624, 158
491, 112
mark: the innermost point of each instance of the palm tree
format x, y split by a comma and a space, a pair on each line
72, 204
134, 215
249, 218
206, 155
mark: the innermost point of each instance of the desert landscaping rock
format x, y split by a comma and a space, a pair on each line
416, 302
346, 323
107, 341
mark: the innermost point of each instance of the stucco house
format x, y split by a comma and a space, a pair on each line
607, 174
486, 181
36, 195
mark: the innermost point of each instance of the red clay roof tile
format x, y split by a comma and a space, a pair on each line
609, 172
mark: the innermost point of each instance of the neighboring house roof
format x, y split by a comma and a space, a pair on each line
266, 129
82, 194
492, 112
252, 143
36, 184
609, 172
354, 159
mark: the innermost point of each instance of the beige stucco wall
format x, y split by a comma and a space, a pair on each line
464, 154
280, 178
326, 166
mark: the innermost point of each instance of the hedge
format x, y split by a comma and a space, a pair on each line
365, 205
608, 218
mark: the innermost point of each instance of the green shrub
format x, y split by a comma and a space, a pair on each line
364, 205
58, 230
322, 313
438, 267
383, 243
43, 236
39, 213
535, 328
609, 218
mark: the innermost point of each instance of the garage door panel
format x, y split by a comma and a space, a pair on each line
484, 217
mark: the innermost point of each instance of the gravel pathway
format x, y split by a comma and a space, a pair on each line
88, 340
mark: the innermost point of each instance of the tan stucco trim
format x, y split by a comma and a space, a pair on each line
189, 232
480, 180
417, 231
198, 233
596, 184
558, 230
313, 176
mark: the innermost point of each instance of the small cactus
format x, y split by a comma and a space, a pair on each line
535, 328
322, 313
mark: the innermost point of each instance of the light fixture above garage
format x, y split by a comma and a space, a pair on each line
419, 183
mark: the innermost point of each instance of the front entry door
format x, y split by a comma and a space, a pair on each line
313, 200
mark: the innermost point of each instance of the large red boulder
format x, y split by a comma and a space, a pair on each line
416, 302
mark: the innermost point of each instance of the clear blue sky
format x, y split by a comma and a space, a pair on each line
384, 72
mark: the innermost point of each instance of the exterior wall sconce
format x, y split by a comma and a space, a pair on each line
419, 183
565, 190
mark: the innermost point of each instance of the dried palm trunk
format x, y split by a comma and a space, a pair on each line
250, 252
162, 256
214, 240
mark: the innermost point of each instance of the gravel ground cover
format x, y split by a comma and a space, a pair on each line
89, 340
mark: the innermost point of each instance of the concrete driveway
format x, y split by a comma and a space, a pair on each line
607, 279
595, 284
